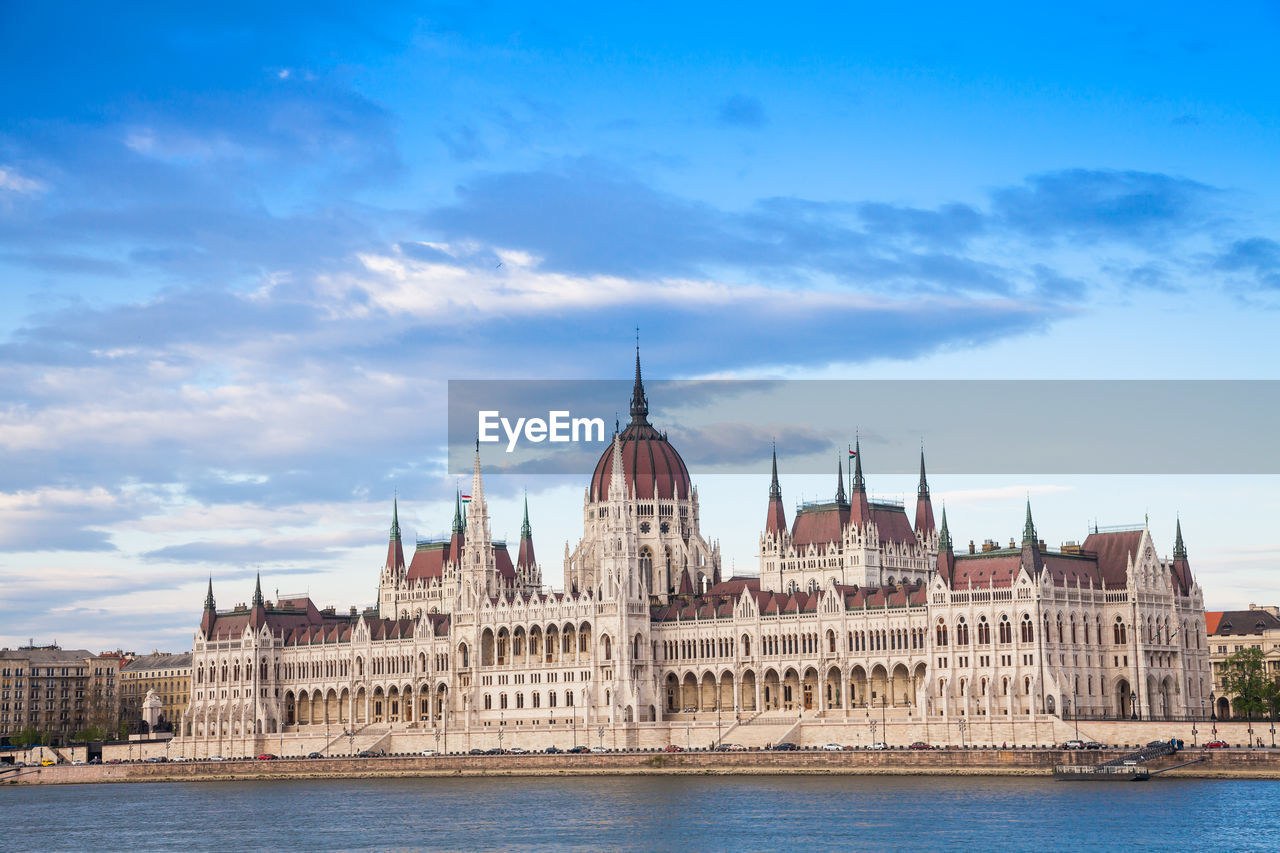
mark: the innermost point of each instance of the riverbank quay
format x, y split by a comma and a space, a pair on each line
1217, 764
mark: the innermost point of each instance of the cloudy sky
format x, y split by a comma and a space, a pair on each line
243, 249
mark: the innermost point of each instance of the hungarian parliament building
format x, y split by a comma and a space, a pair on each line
857, 611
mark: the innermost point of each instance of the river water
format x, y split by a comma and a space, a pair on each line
774, 813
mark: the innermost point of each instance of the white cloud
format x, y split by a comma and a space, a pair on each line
13, 181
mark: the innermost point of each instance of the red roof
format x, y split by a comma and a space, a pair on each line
891, 520
819, 525
1211, 619
649, 462
1113, 552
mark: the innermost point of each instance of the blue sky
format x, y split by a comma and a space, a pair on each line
242, 250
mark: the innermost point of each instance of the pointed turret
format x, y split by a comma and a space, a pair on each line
1031, 557
946, 555
775, 522
459, 534
841, 498
1180, 566
860, 508
1028, 528
258, 613
639, 403
395, 550
525, 559
924, 506
210, 612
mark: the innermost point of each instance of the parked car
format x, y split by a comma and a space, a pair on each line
832, 747
920, 745
211, 758
785, 747
95, 760
597, 749
1216, 744
119, 761
314, 755
376, 753
266, 756
47, 762
553, 750
578, 749
475, 750
497, 750
671, 747
179, 758
1073, 744
77, 762
427, 752
735, 747
879, 745
1092, 744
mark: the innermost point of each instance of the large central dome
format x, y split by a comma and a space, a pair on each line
649, 461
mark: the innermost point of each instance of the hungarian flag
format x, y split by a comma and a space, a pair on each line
466, 499
852, 453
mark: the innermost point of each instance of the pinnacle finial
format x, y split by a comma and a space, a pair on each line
457, 512
857, 485
944, 535
775, 491
639, 404
525, 530
257, 592
208, 596
1179, 548
923, 490
1029, 527
840, 495
395, 518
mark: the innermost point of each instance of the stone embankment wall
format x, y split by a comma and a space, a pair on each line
1229, 763
703, 734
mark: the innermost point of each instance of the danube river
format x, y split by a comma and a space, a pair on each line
645, 813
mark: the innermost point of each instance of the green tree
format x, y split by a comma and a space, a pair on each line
1244, 677
30, 736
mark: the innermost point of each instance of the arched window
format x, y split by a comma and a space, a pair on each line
1028, 631
984, 631
962, 633
1006, 630
1120, 634
608, 648
646, 568
942, 632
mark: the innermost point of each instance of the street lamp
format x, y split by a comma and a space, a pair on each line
600, 734
964, 725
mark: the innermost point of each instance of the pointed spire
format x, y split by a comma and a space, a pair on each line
841, 498
395, 518
775, 491
257, 592
924, 506
857, 485
1029, 528
1179, 548
525, 530
208, 596
944, 535
457, 512
776, 519
639, 404
524, 557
